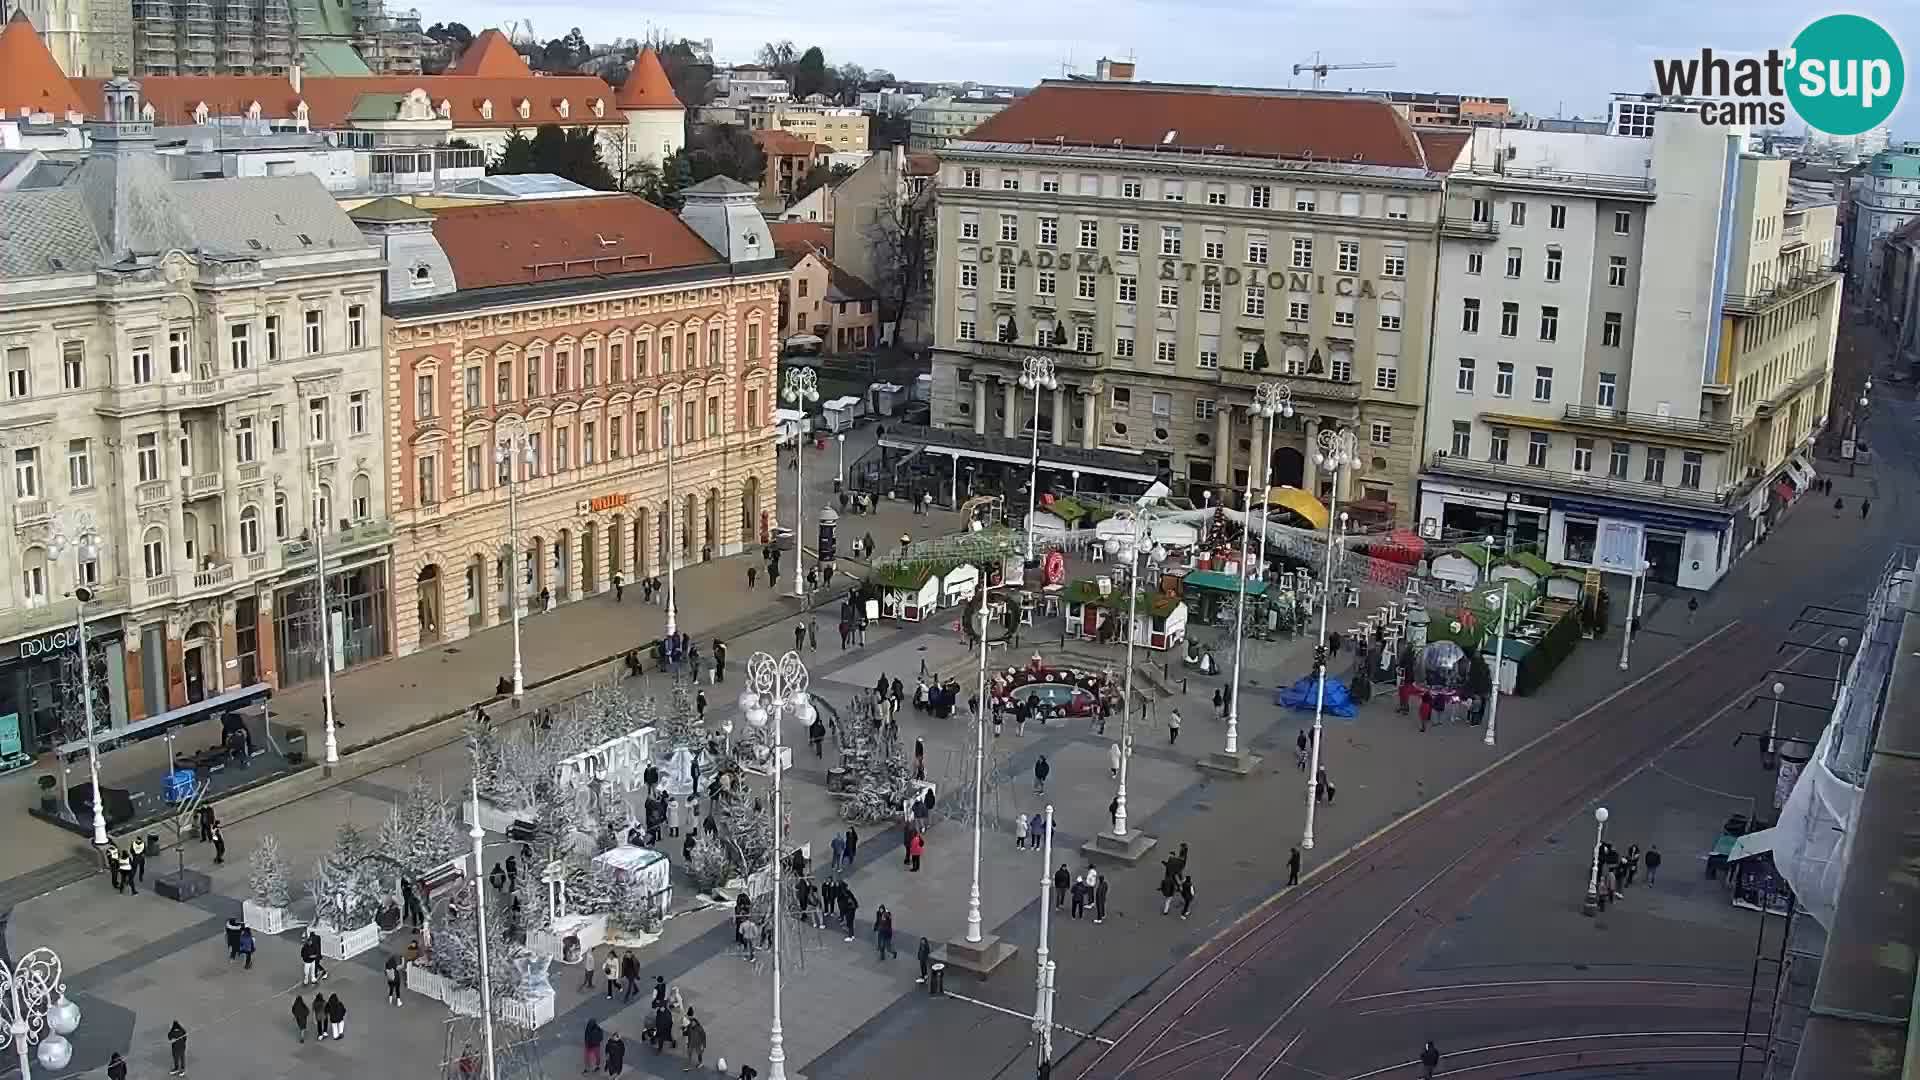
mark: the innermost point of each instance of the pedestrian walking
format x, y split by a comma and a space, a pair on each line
125, 861
616, 1053
1062, 881
1301, 746
1173, 726
799, 637
916, 847
246, 947
1186, 895
1693, 608
610, 973
1839, 504
1293, 867
1429, 1060
1320, 786
596, 1035
1100, 900
396, 978
849, 908
1113, 814
1078, 890
234, 926
219, 845
696, 1036
619, 587
1019, 832
336, 1018
853, 845
1633, 862
753, 572
676, 1015
1653, 863
1113, 759
1169, 888
300, 1014
1219, 704
630, 972
1040, 771
116, 1067
1866, 507
883, 932
137, 851
839, 846
813, 635
177, 1046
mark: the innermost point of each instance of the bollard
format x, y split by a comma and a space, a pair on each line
937, 980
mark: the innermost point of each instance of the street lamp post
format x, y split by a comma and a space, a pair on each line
1770, 759
505, 454
973, 935
37, 1010
775, 687
1635, 588
1043, 966
1270, 400
1280, 405
1840, 668
1134, 550
86, 548
479, 836
324, 617
1499, 657
1337, 452
1036, 374
841, 438
1592, 903
802, 386
673, 538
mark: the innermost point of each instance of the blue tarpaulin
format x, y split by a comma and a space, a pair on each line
1305, 692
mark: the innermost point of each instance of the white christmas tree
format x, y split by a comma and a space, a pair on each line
423, 832
878, 777
267, 874
346, 888
679, 724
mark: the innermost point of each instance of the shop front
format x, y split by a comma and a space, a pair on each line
1455, 513
1680, 550
40, 686
357, 624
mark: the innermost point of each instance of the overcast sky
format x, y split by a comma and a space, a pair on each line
1554, 58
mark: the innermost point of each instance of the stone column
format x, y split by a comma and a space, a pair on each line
136, 676
1010, 391
229, 650
1223, 444
176, 660
576, 549
1311, 479
979, 405
1060, 420
230, 500
1090, 419
266, 650
176, 518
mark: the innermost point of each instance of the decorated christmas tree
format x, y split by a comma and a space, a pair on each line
267, 874
423, 832
711, 866
678, 725
556, 818
346, 888
878, 780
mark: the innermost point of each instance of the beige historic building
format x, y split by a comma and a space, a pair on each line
581, 336
1170, 247
193, 376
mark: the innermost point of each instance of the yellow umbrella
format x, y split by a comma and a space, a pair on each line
1298, 501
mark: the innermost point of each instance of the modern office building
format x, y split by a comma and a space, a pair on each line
1885, 200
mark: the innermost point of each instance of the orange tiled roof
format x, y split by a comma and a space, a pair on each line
521, 243
647, 85
330, 100
922, 165
1443, 147
1261, 123
30, 78
493, 56
776, 141
794, 237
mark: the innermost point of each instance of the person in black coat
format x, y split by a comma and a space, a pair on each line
663, 1028
616, 1053
300, 1015
177, 1046
319, 1016
1062, 881
116, 1067
336, 1017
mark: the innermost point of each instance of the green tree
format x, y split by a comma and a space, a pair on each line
516, 155
578, 51
725, 150
778, 57
810, 73
573, 153
817, 177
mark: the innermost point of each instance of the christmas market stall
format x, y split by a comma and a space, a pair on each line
1462, 567
910, 592
1213, 597
1096, 611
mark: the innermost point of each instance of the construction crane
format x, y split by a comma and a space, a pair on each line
1320, 69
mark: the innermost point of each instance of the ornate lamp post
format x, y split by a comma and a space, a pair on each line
1499, 657
1043, 965
1036, 374
86, 548
774, 688
37, 1011
1279, 403
1592, 903
1270, 400
512, 452
1636, 586
1337, 452
802, 385
1133, 550
324, 616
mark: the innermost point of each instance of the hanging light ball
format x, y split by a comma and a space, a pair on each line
54, 1053
1112, 545
64, 1016
748, 699
806, 713
757, 716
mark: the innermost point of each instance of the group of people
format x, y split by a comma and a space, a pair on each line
1176, 882
1616, 871
671, 1021
1084, 890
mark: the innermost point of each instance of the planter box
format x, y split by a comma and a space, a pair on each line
183, 885
529, 1013
263, 919
492, 818
347, 944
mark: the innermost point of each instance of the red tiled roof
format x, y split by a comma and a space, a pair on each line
775, 141
30, 78
330, 100
922, 165
1262, 123
1443, 147
520, 243
647, 85
792, 237
491, 55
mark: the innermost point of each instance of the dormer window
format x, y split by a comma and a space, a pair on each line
599, 107
565, 107
486, 109
253, 111
200, 113
422, 276
300, 114
524, 108
147, 113
444, 110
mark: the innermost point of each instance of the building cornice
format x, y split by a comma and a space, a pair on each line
1194, 163
504, 299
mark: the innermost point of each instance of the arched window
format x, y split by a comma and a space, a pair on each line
153, 552
362, 497
323, 511
280, 522
250, 530
33, 576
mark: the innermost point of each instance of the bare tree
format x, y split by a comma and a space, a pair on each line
901, 239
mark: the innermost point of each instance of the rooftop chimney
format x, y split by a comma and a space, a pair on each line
1113, 70
293, 76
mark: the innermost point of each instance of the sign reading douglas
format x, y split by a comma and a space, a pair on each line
1843, 75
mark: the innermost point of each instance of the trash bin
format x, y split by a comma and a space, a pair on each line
49, 802
937, 980
296, 744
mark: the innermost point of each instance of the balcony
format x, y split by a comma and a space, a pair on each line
1791, 289
208, 393
340, 542
1013, 352
153, 493
1764, 410
320, 452
30, 511
250, 474
1793, 238
157, 588
205, 484
213, 575
1617, 420
1463, 229
1589, 484
1303, 386
23, 621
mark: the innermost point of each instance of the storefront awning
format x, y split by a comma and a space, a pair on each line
1785, 490
1308, 507
1219, 582
1753, 843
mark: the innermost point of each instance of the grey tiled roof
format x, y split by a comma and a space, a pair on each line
45, 231
717, 185
280, 213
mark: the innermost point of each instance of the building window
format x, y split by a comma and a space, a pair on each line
1475, 262
1604, 393
1303, 202
1497, 445
422, 397
1382, 434
356, 326
1257, 251
1617, 455
1049, 232
250, 530
1129, 237
590, 359
1537, 446
1553, 264
317, 426
280, 520
428, 489
1396, 208
243, 448
1340, 367
1303, 253
476, 468
277, 432
26, 473
1583, 455
1127, 289
1121, 399
470, 387
1656, 471
1210, 296
1557, 216
1209, 359
1463, 378
1009, 278
1089, 233
1173, 191
1470, 316
179, 348
1214, 250
1483, 211
19, 373
1517, 213
1509, 320
153, 553
1256, 307
1204, 408
1393, 264
1617, 271
1009, 228
1050, 183
316, 331
273, 338
1691, 462
1083, 339
1622, 223
1123, 346
1009, 181
1260, 197
1299, 310
239, 346
1389, 314
1543, 384
1347, 257
1549, 323
141, 363
80, 463
1132, 189
533, 368
1165, 351
1169, 239
1343, 312
968, 331
969, 279
1087, 287
1169, 296
1386, 372
1044, 282
73, 365
1462, 438
1610, 330
1502, 379
502, 382
1514, 262
970, 178
969, 230
146, 457
1249, 356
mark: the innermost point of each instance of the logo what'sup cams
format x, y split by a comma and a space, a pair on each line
1843, 75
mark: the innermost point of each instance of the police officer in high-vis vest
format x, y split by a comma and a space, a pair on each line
139, 852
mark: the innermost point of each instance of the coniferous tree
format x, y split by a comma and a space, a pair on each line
267, 874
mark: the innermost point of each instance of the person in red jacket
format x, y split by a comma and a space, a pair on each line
1426, 709
916, 847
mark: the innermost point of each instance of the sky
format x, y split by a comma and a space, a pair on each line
1560, 58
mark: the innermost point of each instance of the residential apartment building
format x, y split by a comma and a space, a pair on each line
742, 86
1885, 200
1631, 350
194, 384
547, 355
790, 159
1899, 290
1170, 247
1450, 110
937, 121
844, 130
881, 215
